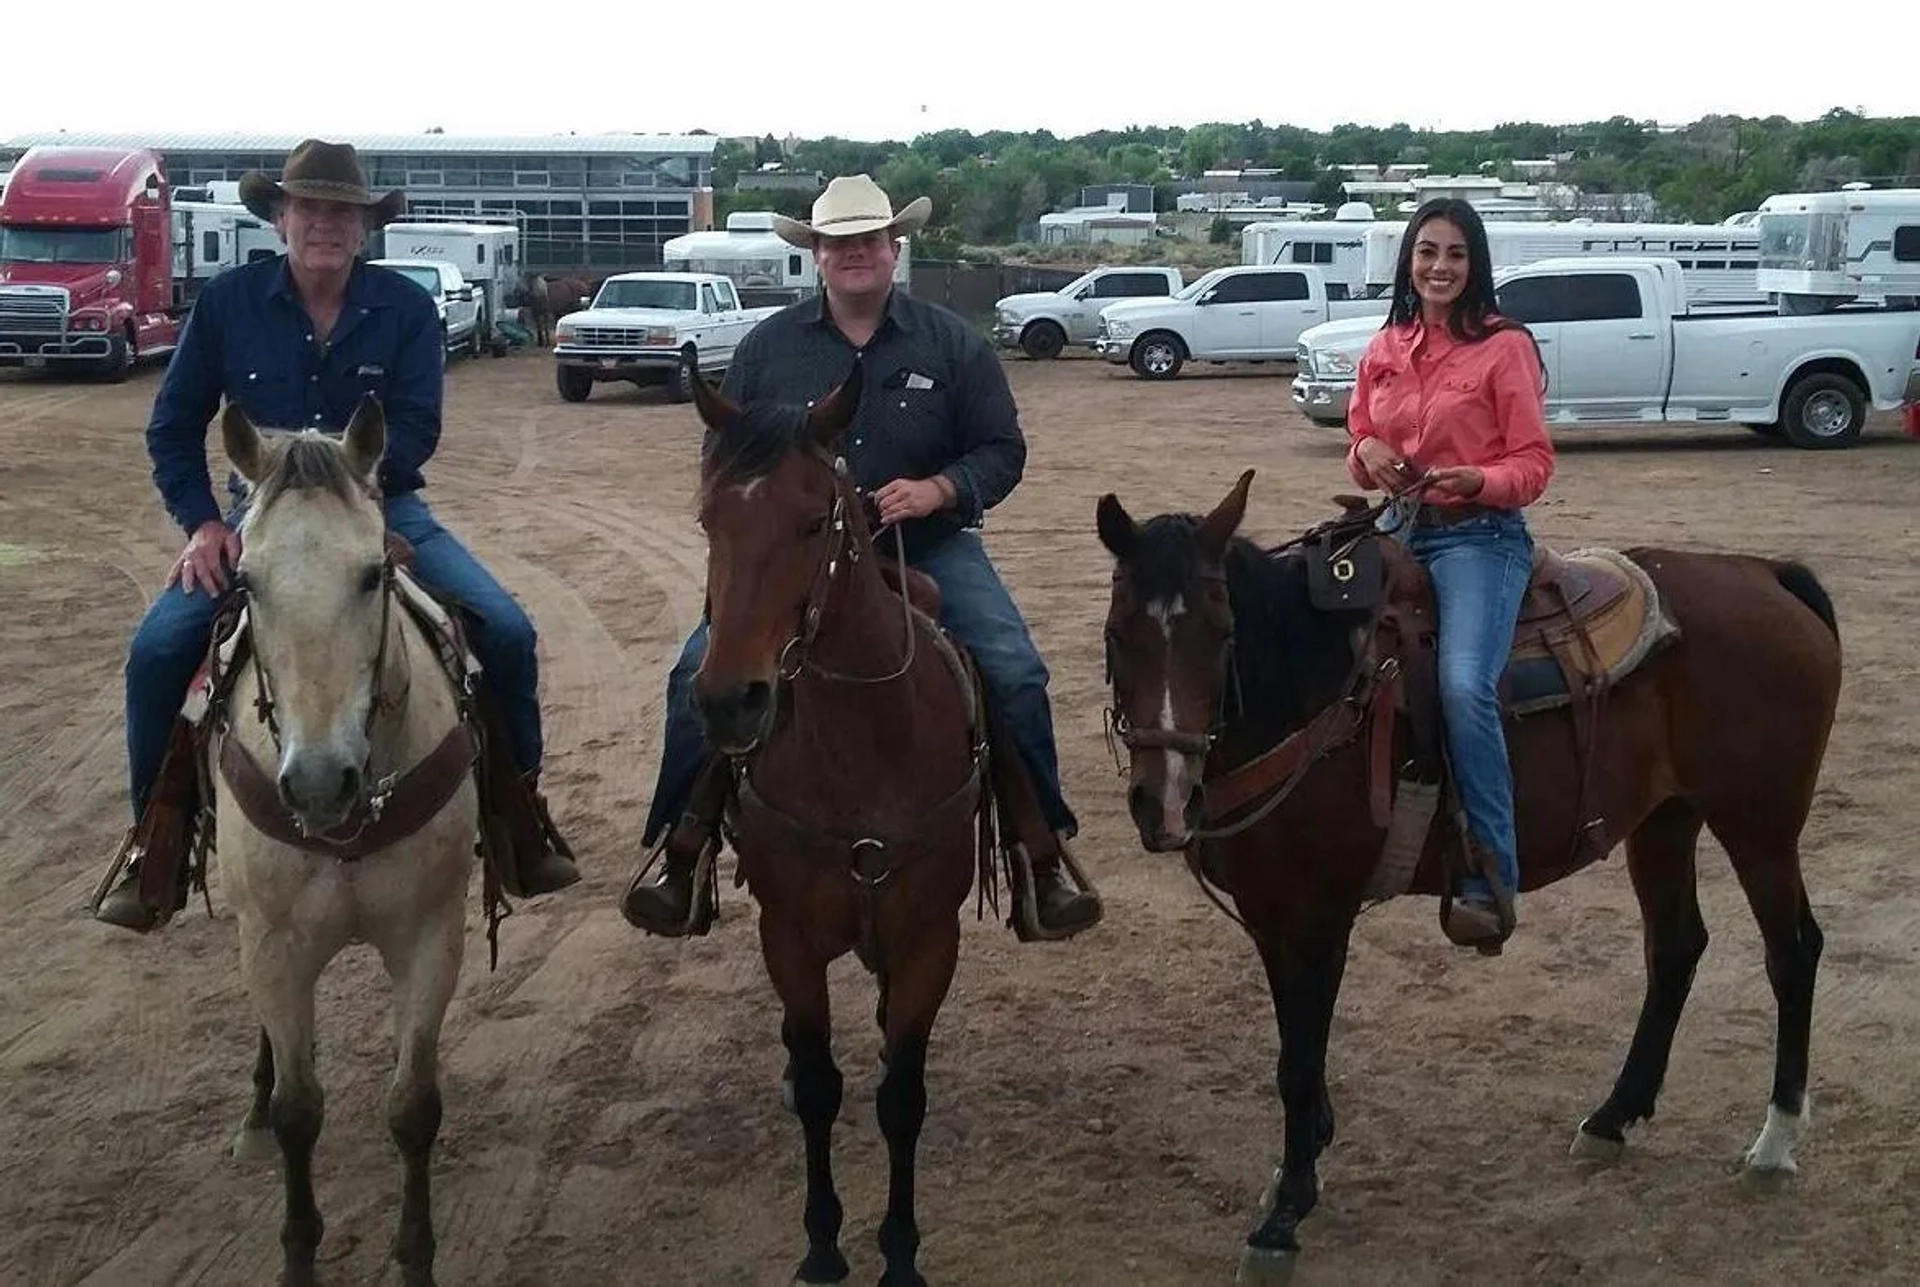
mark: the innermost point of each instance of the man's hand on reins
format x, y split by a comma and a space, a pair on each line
213, 548
905, 498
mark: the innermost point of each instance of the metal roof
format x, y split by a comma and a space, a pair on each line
454, 144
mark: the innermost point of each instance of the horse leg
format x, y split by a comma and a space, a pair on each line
814, 1087
424, 968
281, 980
1660, 861
1305, 981
917, 985
1768, 866
254, 1141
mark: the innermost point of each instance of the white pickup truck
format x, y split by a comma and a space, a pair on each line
1622, 346
452, 295
652, 328
1041, 323
1246, 313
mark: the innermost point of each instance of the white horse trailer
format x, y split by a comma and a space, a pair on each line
1719, 261
487, 255
763, 269
1819, 250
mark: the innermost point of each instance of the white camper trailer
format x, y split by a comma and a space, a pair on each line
1819, 250
763, 269
487, 255
1720, 262
1338, 246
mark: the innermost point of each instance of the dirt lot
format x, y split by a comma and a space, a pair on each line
1101, 1111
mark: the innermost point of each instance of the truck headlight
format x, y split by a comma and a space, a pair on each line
563, 333
1336, 365
1118, 330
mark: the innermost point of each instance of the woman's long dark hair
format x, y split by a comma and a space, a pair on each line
1474, 314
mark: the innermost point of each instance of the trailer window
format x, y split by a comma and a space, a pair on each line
63, 245
210, 246
1906, 244
1312, 252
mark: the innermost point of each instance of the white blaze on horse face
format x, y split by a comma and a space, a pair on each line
1176, 785
751, 488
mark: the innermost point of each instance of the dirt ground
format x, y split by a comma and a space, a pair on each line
1102, 1111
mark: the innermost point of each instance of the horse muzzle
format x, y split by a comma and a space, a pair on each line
320, 789
737, 716
1165, 799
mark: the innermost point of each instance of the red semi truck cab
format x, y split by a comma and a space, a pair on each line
86, 260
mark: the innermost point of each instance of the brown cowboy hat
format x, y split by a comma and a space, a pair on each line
323, 172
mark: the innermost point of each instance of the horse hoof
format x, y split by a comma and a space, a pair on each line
254, 1147
1262, 1268
821, 1266
1772, 1152
1587, 1147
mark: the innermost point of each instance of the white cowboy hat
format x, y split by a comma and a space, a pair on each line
853, 204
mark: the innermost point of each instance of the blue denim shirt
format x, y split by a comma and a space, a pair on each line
249, 339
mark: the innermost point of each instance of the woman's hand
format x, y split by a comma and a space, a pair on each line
1464, 481
1385, 466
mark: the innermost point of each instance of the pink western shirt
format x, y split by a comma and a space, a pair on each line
1440, 401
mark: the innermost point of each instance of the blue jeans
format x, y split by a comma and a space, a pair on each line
1479, 570
172, 642
979, 612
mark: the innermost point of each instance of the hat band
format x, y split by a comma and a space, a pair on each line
856, 218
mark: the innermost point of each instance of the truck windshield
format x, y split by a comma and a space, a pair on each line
428, 279
645, 294
25, 245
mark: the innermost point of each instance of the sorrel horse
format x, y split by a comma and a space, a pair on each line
861, 797
1220, 652
348, 809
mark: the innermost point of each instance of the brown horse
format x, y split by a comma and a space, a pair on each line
1228, 661
544, 300
861, 800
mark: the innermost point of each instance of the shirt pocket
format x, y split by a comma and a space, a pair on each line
270, 393
919, 423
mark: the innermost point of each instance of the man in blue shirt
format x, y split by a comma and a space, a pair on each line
296, 341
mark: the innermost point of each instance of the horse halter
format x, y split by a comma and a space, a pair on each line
1229, 706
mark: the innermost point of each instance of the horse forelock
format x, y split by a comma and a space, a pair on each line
753, 446
303, 461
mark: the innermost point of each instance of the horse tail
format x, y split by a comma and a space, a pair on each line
1798, 580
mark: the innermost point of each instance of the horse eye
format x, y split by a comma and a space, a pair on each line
370, 579
817, 526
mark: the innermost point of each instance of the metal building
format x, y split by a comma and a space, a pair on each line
595, 201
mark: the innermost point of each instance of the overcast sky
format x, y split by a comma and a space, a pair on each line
891, 71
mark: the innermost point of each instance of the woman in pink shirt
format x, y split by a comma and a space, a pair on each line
1449, 393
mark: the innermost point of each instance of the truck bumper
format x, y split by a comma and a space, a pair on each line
620, 364
50, 350
1114, 351
1321, 401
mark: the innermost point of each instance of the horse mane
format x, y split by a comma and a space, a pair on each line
1289, 657
303, 461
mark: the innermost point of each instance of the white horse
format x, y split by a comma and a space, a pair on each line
347, 808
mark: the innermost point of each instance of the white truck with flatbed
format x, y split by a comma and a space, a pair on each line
652, 328
1623, 346
1244, 313
1042, 323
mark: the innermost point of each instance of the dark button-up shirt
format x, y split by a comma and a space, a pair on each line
934, 400
249, 339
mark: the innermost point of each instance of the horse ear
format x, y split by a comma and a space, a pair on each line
720, 412
242, 442
832, 414
1218, 527
366, 437
1118, 532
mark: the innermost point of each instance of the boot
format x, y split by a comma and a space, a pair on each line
544, 863
1477, 920
681, 900
1056, 908
122, 904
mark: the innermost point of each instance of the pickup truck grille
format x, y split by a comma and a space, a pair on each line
609, 337
32, 312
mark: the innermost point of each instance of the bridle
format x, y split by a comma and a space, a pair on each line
1229, 707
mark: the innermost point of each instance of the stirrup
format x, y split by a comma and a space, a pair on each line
1025, 917
703, 900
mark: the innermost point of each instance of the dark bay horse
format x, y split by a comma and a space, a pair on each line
1220, 652
861, 795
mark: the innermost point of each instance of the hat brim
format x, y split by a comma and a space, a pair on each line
260, 195
912, 217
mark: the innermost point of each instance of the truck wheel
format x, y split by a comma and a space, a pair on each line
118, 362
1157, 355
1043, 340
574, 384
680, 383
1822, 411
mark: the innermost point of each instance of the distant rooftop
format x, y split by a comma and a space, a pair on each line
521, 144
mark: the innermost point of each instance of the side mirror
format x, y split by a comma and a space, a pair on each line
585, 302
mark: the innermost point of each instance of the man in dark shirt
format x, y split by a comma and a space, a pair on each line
296, 341
937, 443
